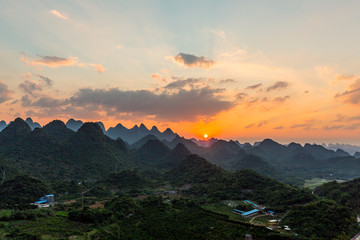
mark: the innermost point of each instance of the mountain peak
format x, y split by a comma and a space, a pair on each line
101, 126
29, 120
32, 124
55, 123
135, 127
17, 128
168, 131
143, 127
91, 131
154, 129
74, 124
119, 125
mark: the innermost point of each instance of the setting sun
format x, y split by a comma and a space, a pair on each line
205, 136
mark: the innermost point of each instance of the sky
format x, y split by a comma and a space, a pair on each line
245, 70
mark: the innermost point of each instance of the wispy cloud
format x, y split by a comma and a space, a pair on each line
191, 60
56, 61
229, 80
98, 67
344, 77
29, 87
47, 80
254, 86
281, 99
277, 85
57, 14
5, 93
352, 95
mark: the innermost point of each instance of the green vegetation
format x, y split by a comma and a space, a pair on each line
21, 190
323, 219
347, 193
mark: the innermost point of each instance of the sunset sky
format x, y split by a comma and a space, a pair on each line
246, 70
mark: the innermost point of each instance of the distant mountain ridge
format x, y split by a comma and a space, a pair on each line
128, 135
118, 147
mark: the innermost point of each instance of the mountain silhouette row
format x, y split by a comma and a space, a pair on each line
92, 152
129, 135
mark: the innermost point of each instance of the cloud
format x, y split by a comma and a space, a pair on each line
352, 95
227, 81
241, 96
29, 87
305, 126
333, 127
278, 128
43, 102
250, 125
281, 99
179, 84
184, 105
191, 60
179, 105
254, 86
5, 93
262, 123
344, 77
59, 15
47, 80
54, 61
98, 67
277, 85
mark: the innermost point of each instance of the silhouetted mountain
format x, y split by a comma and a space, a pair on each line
102, 126
91, 154
168, 135
195, 169
318, 151
118, 132
342, 153
58, 130
143, 141
294, 146
173, 158
351, 149
14, 133
357, 155
150, 153
136, 133
154, 131
74, 124
270, 150
32, 124
2, 125
193, 147
255, 163
204, 143
223, 153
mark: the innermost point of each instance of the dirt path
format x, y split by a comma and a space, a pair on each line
253, 219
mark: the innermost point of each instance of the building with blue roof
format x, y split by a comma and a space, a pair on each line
248, 213
45, 201
255, 205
